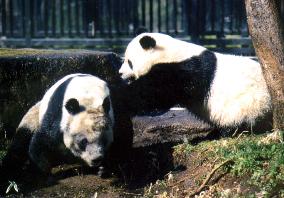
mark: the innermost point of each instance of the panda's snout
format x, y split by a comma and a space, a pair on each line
123, 75
128, 79
125, 71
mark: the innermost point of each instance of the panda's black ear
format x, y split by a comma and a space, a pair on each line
72, 106
147, 42
106, 105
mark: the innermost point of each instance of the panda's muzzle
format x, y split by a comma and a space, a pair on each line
128, 80
127, 77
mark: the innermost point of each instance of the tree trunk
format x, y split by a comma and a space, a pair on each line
266, 30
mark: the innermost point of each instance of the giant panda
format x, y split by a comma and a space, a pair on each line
74, 119
226, 90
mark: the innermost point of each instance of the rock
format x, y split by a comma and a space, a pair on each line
170, 126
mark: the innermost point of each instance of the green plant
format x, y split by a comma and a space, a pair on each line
257, 159
263, 162
12, 185
183, 148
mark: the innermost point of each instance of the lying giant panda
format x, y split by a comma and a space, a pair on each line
74, 118
226, 90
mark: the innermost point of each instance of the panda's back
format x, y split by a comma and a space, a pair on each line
238, 92
51, 93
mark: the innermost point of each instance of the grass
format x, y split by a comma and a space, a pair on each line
8, 52
256, 159
263, 162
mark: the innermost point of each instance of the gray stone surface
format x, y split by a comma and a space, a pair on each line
170, 126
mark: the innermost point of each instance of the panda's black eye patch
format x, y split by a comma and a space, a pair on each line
83, 144
72, 106
106, 105
130, 64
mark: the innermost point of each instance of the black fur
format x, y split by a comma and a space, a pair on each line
72, 106
106, 105
147, 42
185, 83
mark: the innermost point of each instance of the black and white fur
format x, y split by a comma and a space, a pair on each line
74, 118
226, 90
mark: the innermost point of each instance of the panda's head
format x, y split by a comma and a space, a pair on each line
87, 119
149, 49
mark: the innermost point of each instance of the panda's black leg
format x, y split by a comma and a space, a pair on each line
17, 153
39, 151
14, 161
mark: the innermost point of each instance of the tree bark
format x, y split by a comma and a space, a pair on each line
266, 30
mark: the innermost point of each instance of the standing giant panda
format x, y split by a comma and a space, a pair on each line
226, 90
74, 118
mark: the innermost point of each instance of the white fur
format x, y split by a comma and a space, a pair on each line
238, 93
89, 91
93, 150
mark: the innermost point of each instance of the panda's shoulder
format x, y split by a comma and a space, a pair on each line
58, 88
30, 121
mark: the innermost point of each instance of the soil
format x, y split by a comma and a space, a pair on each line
124, 177
148, 172
73, 185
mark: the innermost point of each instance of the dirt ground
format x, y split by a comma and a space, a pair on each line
124, 178
166, 171
71, 181
185, 177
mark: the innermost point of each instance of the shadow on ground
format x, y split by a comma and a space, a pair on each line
125, 177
